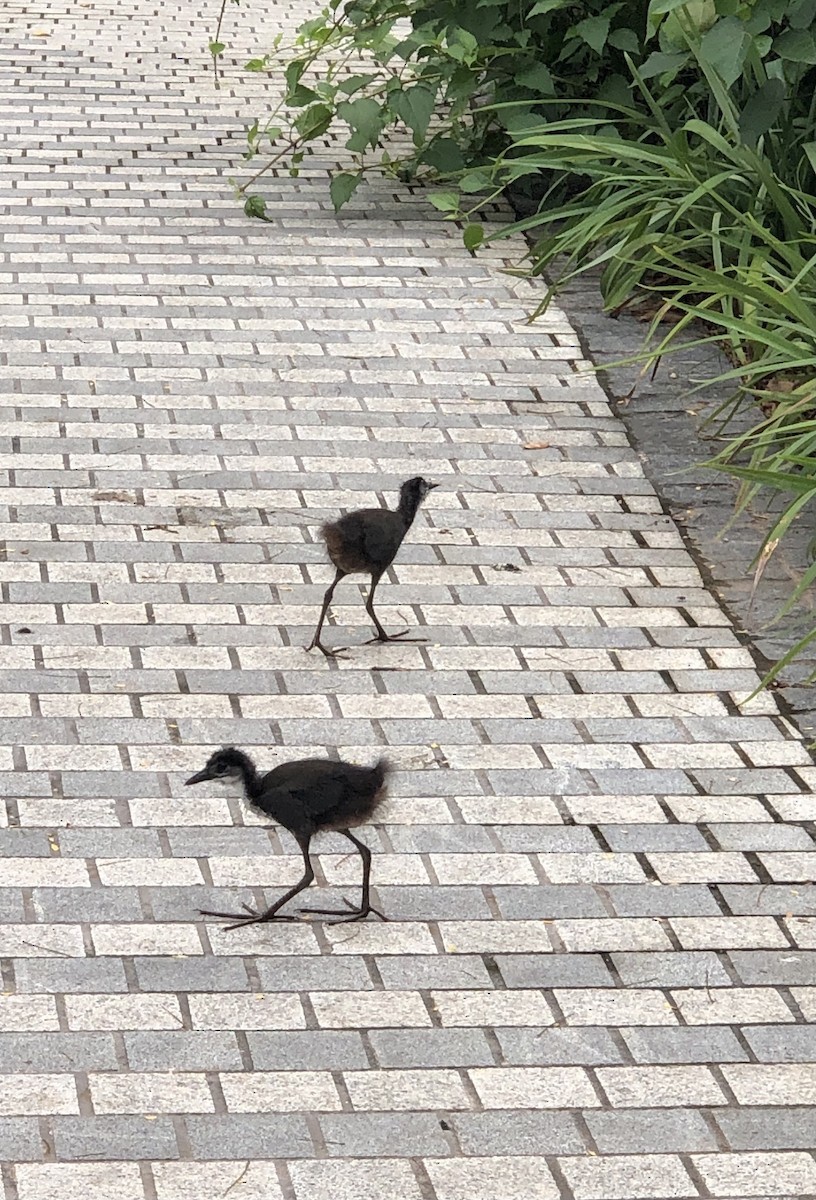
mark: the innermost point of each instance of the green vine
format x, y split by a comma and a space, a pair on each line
450, 79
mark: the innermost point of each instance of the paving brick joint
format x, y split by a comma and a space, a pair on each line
599, 976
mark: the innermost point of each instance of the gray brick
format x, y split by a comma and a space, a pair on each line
549, 900
439, 839
546, 732
662, 1131
765, 836
27, 681
31, 731
442, 783
171, 903
123, 552
775, 966
431, 1048
774, 1043
503, 1133
20, 1140
624, 781
88, 904
24, 843
375, 1135
533, 782
312, 1050
546, 839
767, 1128
249, 1136
554, 970
754, 900
662, 900
70, 975
195, 974
424, 971
11, 905
79, 784
631, 730
117, 1138
404, 732
182, 1050
497, 683
312, 973
644, 838
193, 552
595, 682
603, 639
127, 731
703, 1044
584, 1046
57, 1052
197, 843
741, 781
677, 968
432, 903
117, 843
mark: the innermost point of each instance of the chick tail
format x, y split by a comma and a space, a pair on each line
381, 771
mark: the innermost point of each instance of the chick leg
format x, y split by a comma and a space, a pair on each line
381, 635
356, 914
253, 917
316, 642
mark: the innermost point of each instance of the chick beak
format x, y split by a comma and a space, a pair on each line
199, 778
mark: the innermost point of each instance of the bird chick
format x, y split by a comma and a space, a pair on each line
306, 797
366, 542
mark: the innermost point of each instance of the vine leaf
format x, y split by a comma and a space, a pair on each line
365, 118
255, 206
473, 236
342, 187
415, 107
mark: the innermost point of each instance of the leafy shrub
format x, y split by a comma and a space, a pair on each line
441, 70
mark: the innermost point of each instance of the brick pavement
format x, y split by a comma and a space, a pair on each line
599, 978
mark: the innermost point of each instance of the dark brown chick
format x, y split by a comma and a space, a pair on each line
366, 542
306, 797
